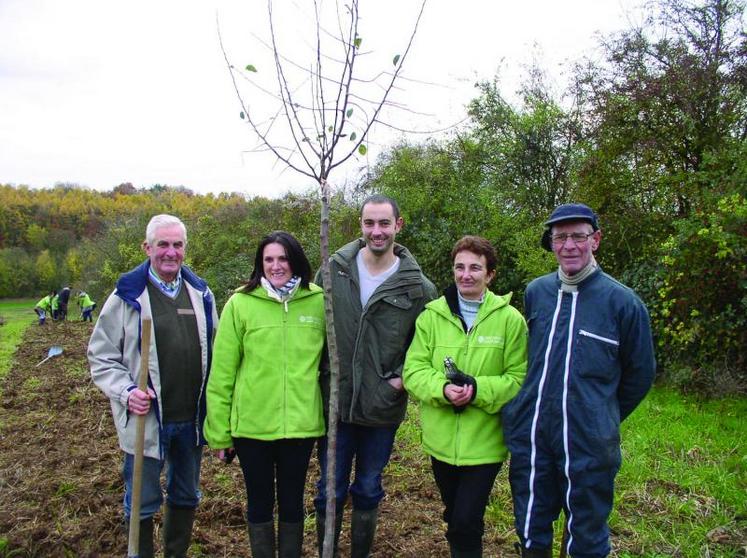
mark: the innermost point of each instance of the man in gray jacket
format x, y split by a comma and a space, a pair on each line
182, 309
378, 291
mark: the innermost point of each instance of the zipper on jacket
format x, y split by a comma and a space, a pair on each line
285, 371
598, 337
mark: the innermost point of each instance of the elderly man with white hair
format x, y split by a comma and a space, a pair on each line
182, 309
591, 362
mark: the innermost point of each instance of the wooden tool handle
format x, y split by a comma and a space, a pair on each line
137, 469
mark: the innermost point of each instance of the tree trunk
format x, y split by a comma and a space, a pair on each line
334, 378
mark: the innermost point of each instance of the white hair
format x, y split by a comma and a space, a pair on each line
161, 221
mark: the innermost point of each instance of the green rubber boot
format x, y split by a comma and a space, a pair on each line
362, 531
177, 531
456, 553
145, 541
262, 539
290, 539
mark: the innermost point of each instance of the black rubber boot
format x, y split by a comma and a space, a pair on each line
456, 553
533, 552
262, 539
177, 531
145, 541
362, 531
290, 539
145, 546
320, 525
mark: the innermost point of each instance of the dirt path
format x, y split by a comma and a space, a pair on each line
60, 487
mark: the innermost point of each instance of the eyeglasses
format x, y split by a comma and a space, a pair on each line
577, 238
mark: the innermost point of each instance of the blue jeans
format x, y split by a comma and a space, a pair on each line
182, 460
371, 446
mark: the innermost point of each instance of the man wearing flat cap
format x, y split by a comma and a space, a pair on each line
591, 362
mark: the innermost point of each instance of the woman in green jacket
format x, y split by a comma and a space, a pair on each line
263, 397
468, 358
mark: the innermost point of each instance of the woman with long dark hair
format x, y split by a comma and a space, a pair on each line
263, 395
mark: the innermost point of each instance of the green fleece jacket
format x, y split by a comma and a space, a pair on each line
45, 303
84, 301
264, 381
494, 351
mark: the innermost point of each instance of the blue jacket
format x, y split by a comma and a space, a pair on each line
590, 352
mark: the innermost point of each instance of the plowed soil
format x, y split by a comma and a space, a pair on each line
61, 488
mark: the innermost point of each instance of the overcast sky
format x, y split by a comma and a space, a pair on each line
98, 93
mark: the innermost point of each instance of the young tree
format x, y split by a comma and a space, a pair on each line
323, 111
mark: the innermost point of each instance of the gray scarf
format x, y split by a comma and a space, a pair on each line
569, 283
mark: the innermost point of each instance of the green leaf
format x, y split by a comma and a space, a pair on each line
241, 114
395, 60
357, 42
349, 113
251, 68
362, 149
353, 136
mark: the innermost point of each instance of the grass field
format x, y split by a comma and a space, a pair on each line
17, 314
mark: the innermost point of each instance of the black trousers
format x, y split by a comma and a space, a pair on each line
267, 464
464, 491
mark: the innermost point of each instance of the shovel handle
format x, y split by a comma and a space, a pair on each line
43, 361
137, 469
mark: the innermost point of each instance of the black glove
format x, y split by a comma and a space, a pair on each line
229, 455
459, 378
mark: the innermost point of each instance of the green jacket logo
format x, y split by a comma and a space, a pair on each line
310, 320
490, 340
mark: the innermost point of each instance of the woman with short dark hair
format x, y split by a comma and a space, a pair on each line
263, 395
468, 358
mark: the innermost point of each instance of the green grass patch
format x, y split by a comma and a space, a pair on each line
17, 314
682, 488
32, 383
65, 488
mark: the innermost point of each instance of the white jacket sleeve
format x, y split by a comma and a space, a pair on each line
111, 367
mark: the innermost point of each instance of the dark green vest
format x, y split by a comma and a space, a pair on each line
179, 353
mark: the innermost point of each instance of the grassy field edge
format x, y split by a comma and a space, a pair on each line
17, 315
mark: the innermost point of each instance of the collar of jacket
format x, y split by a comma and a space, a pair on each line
451, 294
449, 308
132, 284
345, 256
301, 292
586, 282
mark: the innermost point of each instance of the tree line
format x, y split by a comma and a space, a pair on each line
652, 135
